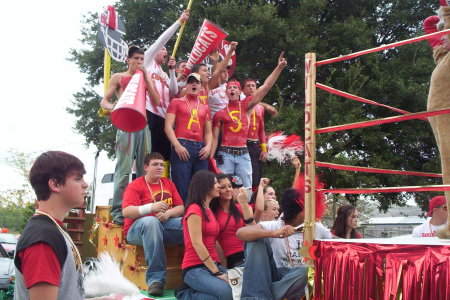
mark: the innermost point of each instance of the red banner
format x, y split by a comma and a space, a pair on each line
208, 39
129, 113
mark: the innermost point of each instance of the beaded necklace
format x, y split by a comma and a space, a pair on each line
151, 191
232, 117
194, 112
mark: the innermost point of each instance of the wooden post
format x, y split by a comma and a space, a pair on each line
310, 147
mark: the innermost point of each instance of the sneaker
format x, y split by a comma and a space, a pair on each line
156, 288
118, 221
179, 290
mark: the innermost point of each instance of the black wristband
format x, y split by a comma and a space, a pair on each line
249, 221
218, 273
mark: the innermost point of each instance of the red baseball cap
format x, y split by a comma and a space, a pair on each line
435, 202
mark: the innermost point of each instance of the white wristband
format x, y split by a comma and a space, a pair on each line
145, 209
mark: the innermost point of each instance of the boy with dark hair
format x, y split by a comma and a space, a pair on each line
129, 146
256, 139
152, 209
181, 76
48, 264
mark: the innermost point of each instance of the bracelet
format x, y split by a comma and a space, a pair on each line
206, 258
218, 273
264, 147
249, 220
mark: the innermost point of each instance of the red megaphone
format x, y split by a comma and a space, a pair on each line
208, 38
129, 113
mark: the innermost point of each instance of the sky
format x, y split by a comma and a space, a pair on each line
40, 82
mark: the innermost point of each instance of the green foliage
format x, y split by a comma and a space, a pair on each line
397, 77
16, 205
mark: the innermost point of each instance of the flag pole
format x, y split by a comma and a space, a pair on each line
177, 43
106, 76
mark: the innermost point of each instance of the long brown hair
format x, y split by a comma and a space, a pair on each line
340, 224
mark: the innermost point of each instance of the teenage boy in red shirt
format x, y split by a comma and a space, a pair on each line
192, 136
152, 209
233, 122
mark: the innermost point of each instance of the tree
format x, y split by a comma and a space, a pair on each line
398, 77
17, 204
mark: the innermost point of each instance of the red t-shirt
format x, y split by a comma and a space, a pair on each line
137, 193
210, 230
40, 264
227, 239
191, 116
234, 121
256, 126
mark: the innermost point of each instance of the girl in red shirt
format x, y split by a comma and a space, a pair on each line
231, 216
202, 272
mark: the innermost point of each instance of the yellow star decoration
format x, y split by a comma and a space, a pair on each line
307, 252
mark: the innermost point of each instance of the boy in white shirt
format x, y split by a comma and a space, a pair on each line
271, 255
438, 213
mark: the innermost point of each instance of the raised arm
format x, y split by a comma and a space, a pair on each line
214, 82
247, 212
297, 165
163, 39
269, 82
259, 203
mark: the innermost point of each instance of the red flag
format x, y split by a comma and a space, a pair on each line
208, 39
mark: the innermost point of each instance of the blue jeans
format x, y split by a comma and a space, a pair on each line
149, 233
182, 171
129, 146
239, 165
204, 286
263, 280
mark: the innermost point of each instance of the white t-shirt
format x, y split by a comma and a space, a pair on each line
217, 99
427, 230
156, 73
281, 247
